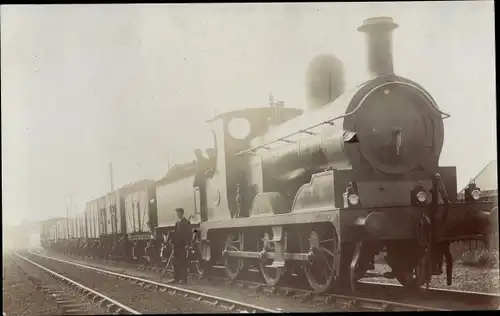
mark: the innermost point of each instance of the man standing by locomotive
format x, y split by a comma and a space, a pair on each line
239, 201
180, 241
203, 164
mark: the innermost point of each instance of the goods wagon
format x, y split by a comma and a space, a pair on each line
81, 225
72, 227
52, 232
140, 210
91, 219
62, 230
77, 227
101, 216
48, 233
113, 214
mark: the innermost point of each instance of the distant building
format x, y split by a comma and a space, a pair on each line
487, 181
14, 237
24, 235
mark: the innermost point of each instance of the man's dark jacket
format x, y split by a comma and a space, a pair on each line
181, 234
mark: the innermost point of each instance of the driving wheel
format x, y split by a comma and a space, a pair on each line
416, 277
233, 265
272, 275
197, 263
323, 258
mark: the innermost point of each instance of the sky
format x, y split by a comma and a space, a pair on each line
84, 85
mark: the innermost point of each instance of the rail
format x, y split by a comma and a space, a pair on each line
225, 303
85, 290
477, 297
430, 296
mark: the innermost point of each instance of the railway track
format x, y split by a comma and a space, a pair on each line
66, 302
223, 304
373, 296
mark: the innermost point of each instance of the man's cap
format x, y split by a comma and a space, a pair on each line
179, 209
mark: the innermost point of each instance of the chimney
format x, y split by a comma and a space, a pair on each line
379, 38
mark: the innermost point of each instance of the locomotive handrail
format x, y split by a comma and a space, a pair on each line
442, 188
305, 131
445, 115
330, 121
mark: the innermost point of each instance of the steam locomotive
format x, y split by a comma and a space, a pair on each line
318, 193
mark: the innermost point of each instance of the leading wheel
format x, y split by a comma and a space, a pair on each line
272, 275
354, 267
416, 277
324, 257
233, 265
197, 266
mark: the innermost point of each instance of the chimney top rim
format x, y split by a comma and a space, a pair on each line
373, 23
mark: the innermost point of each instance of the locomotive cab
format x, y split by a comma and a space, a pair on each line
234, 131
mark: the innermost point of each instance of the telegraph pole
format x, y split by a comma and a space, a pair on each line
271, 99
67, 212
111, 175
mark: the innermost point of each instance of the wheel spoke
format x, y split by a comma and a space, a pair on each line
233, 265
327, 240
326, 274
320, 272
327, 262
328, 252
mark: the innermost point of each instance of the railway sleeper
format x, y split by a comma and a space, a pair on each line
63, 301
73, 311
110, 307
75, 305
373, 306
102, 302
228, 307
